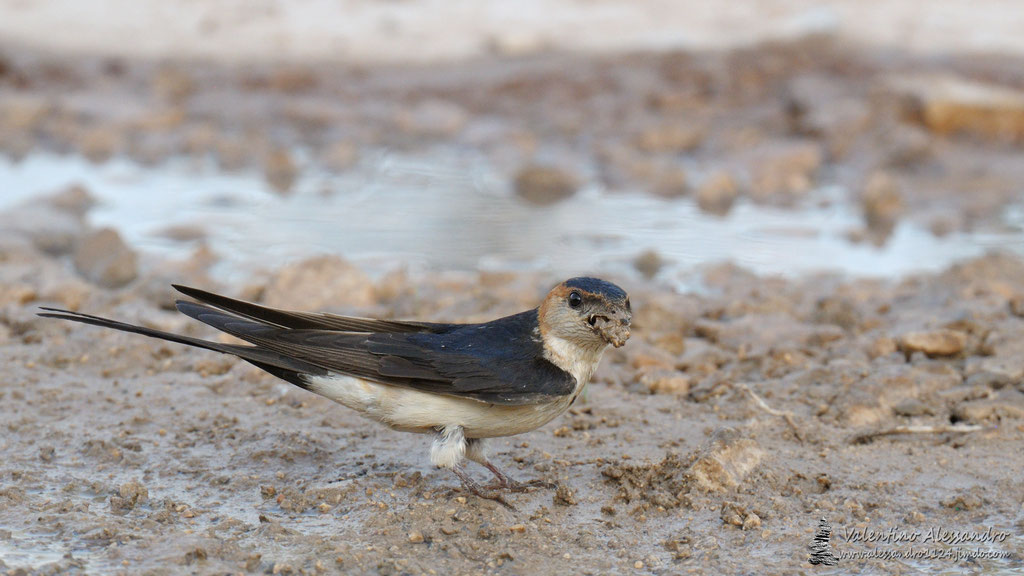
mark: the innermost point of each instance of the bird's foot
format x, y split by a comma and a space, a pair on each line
485, 492
517, 486
503, 482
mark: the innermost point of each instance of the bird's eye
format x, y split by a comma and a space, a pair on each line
575, 299
627, 304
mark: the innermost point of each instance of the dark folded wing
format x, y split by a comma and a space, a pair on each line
499, 362
308, 320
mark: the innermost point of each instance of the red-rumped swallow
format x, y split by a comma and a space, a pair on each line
463, 383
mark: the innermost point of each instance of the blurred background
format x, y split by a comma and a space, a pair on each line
642, 138
797, 195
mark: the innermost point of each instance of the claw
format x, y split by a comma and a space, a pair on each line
485, 492
503, 481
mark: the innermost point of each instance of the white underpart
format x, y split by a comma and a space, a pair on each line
449, 447
453, 418
477, 450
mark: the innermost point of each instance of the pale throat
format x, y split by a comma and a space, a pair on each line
580, 361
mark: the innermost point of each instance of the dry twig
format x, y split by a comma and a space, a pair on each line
941, 429
784, 414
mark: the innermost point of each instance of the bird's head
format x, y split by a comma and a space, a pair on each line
588, 312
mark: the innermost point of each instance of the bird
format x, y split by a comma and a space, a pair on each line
464, 384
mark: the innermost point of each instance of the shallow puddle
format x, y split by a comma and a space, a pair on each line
452, 211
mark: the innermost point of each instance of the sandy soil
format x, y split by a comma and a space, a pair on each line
736, 417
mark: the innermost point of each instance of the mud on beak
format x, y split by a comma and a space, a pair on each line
612, 327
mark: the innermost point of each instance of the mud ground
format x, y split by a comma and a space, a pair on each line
735, 418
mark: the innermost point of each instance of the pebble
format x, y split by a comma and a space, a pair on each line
785, 172
725, 461
104, 259
751, 522
670, 138
934, 342
544, 185
1017, 305
318, 283
717, 193
666, 382
1007, 406
911, 407
432, 118
648, 263
882, 202
280, 170
340, 156
416, 537
947, 104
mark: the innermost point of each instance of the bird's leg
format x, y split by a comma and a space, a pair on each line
474, 487
449, 451
476, 450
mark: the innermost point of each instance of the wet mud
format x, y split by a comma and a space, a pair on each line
738, 414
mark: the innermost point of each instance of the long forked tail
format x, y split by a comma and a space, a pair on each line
275, 363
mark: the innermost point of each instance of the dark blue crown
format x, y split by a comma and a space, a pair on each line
597, 286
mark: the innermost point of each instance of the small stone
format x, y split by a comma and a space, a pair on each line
74, 199
340, 156
515, 43
911, 407
318, 283
934, 343
432, 118
670, 138
989, 379
24, 110
416, 537
882, 203
948, 104
99, 143
882, 346
1005, 407
544, 185
666, 382
563, 495
280, 170
172, 83
725, 461
964, 502
232, 153
751, 522
129, 494
50, 228
638, 565
293, 79
1017, 305
517, 528
785, 172
717, 193
648, 263
104, 259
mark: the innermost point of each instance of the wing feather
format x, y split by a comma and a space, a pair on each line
307, 320
499, 362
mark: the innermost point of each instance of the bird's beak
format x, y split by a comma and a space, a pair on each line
612, 327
